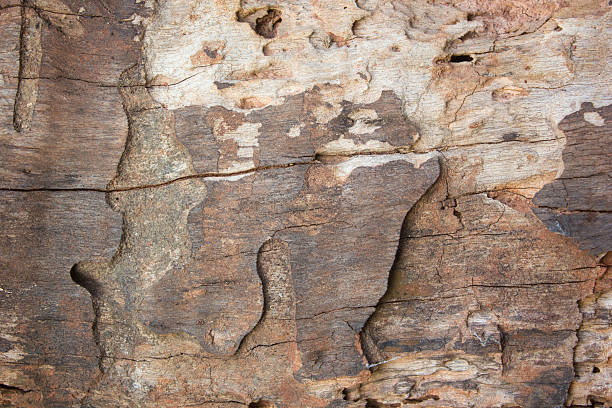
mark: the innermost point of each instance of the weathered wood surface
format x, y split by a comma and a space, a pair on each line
316, 204
578, 202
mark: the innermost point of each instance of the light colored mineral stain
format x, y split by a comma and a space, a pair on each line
571, 66
343, 170
317, 43
9, 337
245, 135
353, 52
246, 138
328, 110
605, 300
13, 355
347, 146
594, 118
458, 364
295, 131
363, 119
509, 92
381, 362
230, 178
502, 164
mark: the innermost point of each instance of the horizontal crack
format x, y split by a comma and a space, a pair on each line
270, 345
165, 183
6, 387
335, 310
493, 286
61, 13
562, 210
213, 401
61, 77
462, 146
316, 157
106, 84
396, 150
526, 285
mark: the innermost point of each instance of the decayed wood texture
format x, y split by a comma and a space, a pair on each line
305, 204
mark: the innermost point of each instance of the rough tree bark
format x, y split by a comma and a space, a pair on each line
309, 203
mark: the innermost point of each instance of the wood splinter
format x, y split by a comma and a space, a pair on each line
56, 14
30, 57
